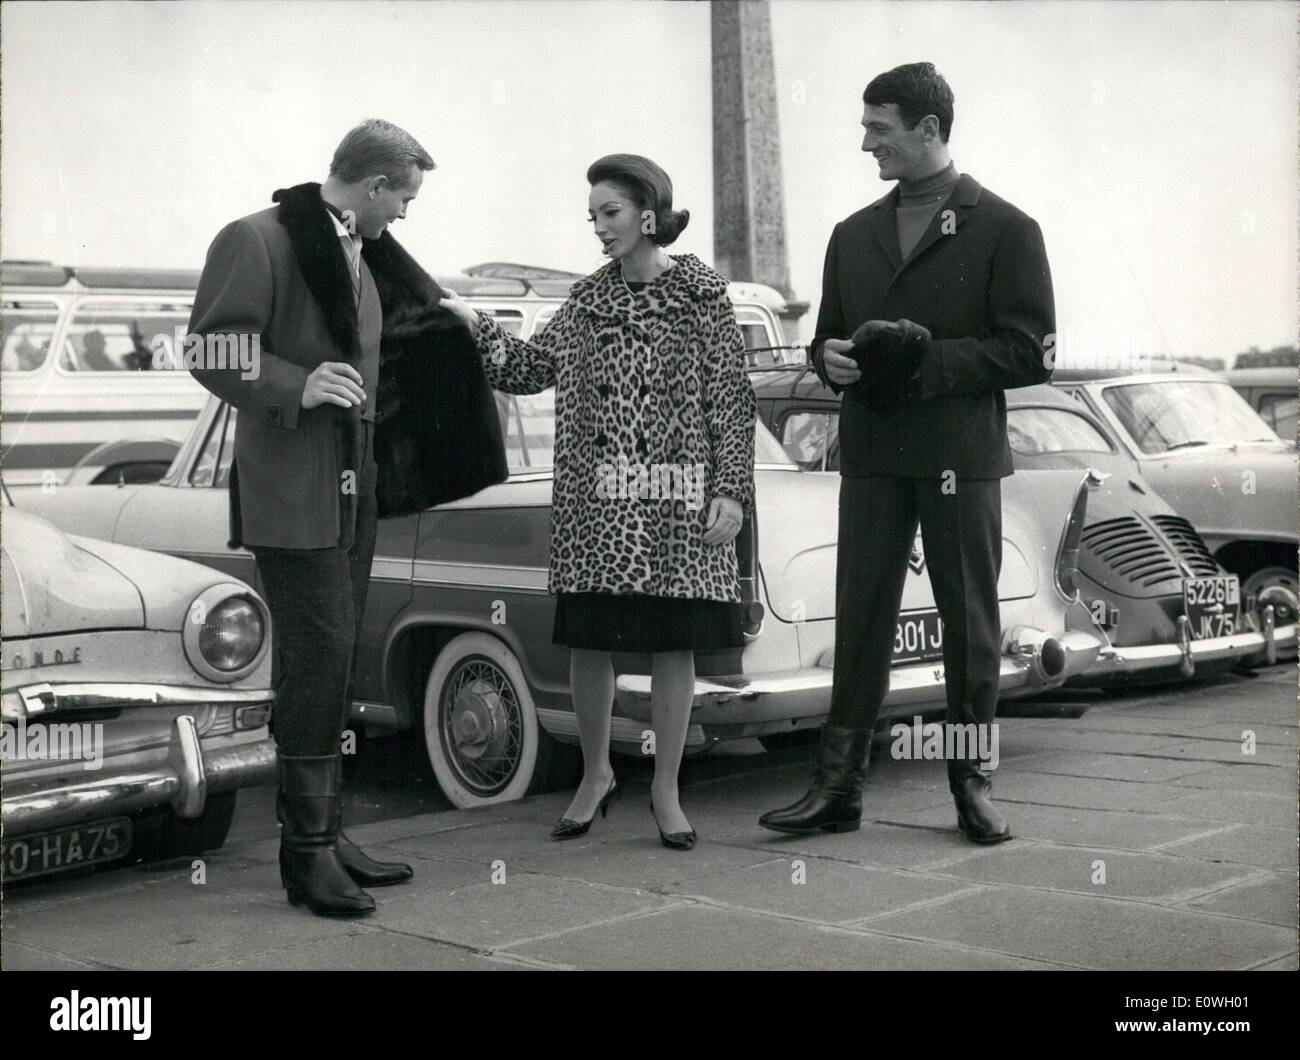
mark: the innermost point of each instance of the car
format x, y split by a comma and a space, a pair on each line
91, 362
1211, 456
1169, 608
456, 635
1272, 392
1143, 569
136, 699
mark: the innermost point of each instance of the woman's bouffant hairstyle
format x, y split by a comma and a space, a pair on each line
648, 186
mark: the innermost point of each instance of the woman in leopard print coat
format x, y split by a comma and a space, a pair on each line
654, 470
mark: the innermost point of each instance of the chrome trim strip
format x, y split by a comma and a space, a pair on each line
627, 731
103, 696
499, 576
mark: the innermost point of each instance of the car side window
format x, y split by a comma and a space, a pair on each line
1279, 411
204, 472
222, 478
528, 424
28, 328
812, 439
117, 336
1035, 431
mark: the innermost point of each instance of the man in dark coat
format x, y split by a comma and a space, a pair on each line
935, 300
368, 400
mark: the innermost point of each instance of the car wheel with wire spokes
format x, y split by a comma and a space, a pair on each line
480, 724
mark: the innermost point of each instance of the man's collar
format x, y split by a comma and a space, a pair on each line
966, 193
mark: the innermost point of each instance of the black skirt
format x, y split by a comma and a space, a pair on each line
634, 622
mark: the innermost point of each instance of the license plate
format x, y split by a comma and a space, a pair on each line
918, 638
1213, 605
83, 844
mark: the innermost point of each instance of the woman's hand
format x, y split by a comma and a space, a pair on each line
723, 523
463, 312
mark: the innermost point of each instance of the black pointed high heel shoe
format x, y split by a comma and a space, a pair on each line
567, 828
673, 840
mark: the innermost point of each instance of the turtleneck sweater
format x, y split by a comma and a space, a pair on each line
918, 202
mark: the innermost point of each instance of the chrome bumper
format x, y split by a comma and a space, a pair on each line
1183, 655
183, 781
782, 696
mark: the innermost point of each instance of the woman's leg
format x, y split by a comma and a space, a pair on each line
672, 690
591, 683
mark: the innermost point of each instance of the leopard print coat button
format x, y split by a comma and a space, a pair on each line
654, 416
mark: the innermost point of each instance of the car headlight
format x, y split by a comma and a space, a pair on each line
225, 633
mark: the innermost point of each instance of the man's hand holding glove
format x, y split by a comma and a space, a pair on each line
888, 353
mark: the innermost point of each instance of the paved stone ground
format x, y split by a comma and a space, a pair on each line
1196, 839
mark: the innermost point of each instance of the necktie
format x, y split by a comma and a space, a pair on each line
354, 270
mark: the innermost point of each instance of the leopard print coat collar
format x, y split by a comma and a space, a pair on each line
689, 281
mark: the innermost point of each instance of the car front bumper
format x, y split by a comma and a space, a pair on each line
191, 770
732, 707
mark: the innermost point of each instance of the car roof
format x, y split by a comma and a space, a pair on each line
1272, 375
1182, 375
487, 280
1041, 394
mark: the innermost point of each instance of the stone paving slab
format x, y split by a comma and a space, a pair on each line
173, 926
642, 864
695, 937
373, 949
527, 906
1095, 932
1072, 826
1160, 878
1137, 768
1240, 807
1271, 900
1259, 845
1275, 780
816, 889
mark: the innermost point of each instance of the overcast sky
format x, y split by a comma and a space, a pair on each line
1156, 143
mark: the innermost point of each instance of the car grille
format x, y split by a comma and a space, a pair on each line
1188, 543
1130, 548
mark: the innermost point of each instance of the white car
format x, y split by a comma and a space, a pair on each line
136, 699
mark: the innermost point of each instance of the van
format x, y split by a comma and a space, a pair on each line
85, 397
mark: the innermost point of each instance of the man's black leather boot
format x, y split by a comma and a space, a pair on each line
310, 868
978, 818
834, 802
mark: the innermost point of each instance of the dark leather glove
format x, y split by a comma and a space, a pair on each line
889, 354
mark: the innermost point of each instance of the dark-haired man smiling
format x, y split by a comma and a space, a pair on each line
935, 299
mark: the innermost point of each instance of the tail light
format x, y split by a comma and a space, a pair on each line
1067, 557
752, 610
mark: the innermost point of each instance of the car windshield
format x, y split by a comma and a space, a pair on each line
1181, 414
1038, 431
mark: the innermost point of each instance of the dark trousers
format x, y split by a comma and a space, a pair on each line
317, 597
962, 537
